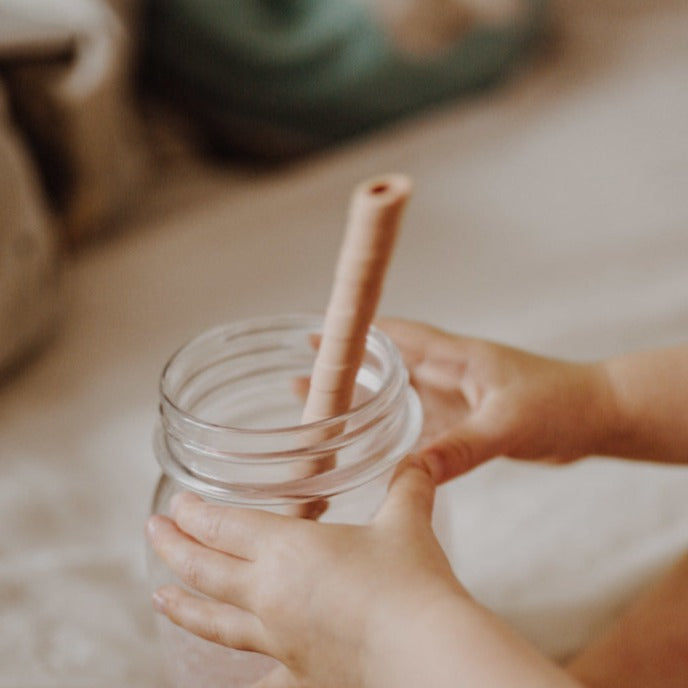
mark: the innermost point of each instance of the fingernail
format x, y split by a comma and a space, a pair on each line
159, 602
153, 526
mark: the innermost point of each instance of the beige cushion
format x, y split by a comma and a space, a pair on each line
29, 266
77, 111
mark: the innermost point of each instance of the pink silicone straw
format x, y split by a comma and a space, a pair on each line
374, 217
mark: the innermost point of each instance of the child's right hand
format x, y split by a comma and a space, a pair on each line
483, 400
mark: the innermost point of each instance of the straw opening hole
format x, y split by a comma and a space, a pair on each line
380, 188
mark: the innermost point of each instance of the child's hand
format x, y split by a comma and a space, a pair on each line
340, 606
331, 602
483, 400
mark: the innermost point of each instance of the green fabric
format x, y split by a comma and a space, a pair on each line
310, 71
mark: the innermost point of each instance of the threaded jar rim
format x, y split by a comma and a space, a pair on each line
200, 452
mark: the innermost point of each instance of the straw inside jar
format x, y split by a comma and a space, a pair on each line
372, 227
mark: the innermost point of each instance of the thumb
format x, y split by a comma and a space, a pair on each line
456, 453
411, 493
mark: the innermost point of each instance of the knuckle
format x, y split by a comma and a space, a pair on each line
190, 572
213, 527
214, 630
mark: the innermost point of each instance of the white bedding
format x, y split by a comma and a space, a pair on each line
550, 214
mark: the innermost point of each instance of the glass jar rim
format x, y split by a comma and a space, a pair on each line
256, 325
253, 465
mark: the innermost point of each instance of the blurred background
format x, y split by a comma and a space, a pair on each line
167, 165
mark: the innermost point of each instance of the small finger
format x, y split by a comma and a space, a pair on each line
213, 573
212, 620
229, 529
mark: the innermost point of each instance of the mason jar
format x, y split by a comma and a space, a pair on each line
229, 430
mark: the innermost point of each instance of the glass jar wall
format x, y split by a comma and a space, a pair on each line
229, 430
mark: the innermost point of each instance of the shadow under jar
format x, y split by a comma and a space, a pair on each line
230, 432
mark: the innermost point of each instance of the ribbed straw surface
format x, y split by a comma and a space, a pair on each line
372, 227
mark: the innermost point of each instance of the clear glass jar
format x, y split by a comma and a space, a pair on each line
230, 431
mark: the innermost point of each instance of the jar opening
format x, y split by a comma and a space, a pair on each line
231, 400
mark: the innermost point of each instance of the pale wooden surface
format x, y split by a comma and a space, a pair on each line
551, 214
